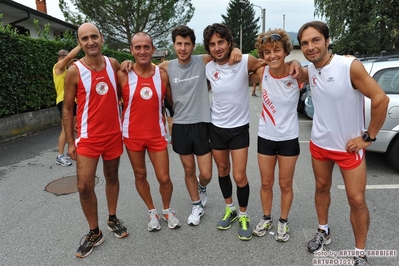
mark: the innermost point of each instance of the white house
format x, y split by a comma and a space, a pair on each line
21, 17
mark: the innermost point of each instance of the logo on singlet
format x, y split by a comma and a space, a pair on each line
102, 88
313, 81
216, 75
288, 84
146, 93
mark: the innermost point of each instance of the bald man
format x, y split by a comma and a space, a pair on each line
92, 80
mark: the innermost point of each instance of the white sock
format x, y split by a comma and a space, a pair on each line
324, 227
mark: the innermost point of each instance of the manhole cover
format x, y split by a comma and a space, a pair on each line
65, 185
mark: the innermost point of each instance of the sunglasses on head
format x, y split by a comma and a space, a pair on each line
274, 37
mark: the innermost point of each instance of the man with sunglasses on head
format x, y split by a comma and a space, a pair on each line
338, 136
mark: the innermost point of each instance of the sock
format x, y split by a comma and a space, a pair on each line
267, 217
198, 202
225, 186
95, 230
166, 210
325, 228
281, 220
231, 206
243, 195
201, 188
112, 217
242, 214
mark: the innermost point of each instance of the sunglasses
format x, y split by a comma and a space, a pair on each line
274, 37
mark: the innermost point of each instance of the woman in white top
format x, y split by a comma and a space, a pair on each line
278, 128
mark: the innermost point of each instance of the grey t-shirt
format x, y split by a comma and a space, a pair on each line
189, 91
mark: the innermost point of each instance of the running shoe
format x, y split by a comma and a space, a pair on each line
245, 232
91, 240
320, 239
196, 214
118, 228
203, 196
262, 227
229, 217
282, 232
170, 217
153, 221
62, 160
361, 261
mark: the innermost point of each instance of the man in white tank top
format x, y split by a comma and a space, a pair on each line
338, 134
229, 131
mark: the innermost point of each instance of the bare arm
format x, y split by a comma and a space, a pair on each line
235, 57
295, 69
254, 64
71, 83
370, 88
165, 80
61, 65
362, 81
164, 65
256, 76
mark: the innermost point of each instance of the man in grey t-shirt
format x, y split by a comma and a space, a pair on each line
190, 133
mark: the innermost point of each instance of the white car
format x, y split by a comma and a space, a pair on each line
385, 71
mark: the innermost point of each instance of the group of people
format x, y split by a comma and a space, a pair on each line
219, 129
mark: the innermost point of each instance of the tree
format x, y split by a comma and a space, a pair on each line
120, 19
239, 13
364, 26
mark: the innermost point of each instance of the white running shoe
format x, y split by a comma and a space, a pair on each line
262, 227
195, 216
153, 221
62, 160
170, 217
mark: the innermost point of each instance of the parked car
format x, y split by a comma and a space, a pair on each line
385, 70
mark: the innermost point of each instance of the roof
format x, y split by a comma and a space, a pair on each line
22, 13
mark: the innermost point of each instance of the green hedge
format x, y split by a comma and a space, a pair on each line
26, 81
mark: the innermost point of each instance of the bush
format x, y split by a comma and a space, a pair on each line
26, 80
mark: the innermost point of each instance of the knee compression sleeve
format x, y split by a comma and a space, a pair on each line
243, 195
226, 186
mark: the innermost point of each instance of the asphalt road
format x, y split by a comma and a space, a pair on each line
39, 228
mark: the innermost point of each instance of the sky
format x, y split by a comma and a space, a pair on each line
297, 12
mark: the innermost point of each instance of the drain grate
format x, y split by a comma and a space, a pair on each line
65, 185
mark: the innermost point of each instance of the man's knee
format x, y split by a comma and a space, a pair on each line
357, 202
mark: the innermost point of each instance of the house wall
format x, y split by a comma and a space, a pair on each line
28, 25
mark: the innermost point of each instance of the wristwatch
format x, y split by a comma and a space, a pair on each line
366, 137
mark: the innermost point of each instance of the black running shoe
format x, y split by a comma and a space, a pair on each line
320, 239
117, 227
91, 241
361, 261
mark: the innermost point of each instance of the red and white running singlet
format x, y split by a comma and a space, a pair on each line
97, 98
142, 106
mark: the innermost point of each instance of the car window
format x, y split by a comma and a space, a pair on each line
388, 79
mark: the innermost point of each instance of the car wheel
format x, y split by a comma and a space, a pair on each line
393, 153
